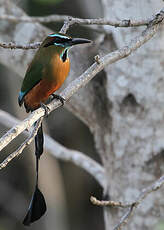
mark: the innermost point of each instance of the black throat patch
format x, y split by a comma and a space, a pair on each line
64, 55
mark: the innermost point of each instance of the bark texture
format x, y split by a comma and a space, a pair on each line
133, 143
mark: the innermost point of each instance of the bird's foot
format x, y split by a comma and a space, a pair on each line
58, 97
46, 109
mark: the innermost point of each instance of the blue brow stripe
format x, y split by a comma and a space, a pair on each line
58, 35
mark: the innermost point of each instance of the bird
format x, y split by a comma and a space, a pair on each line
45, 75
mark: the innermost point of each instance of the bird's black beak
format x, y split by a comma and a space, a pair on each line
76, 41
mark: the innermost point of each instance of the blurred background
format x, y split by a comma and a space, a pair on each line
67, 188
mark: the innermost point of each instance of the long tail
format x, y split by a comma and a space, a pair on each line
37, 206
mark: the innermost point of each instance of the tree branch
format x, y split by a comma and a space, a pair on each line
82, 80
144, 193
68, 21
81, 21
13, 45
131, 206
57, 150
77, 158
66, 25
110, 203
22, 146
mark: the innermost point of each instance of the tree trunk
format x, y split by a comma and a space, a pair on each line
131, 147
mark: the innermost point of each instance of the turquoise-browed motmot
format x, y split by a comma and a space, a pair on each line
46, 74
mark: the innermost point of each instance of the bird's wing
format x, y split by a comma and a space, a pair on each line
32, 77
38, 69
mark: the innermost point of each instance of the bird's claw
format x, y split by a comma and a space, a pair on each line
58, 97
46, 109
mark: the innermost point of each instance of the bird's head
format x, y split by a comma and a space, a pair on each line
63, 40
62, 43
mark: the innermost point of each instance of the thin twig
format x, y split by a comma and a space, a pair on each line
110, 203
82, 80
144, 193
131, 206
124, 219
66, 25
97, 59
13, 45
81, 21
22, 146
69, 21
45, 19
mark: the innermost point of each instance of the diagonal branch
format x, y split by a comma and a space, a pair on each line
77, 158
22, 146
82, 80
57, 150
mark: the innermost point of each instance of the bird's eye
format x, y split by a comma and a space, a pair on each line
57, 40
61, 40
